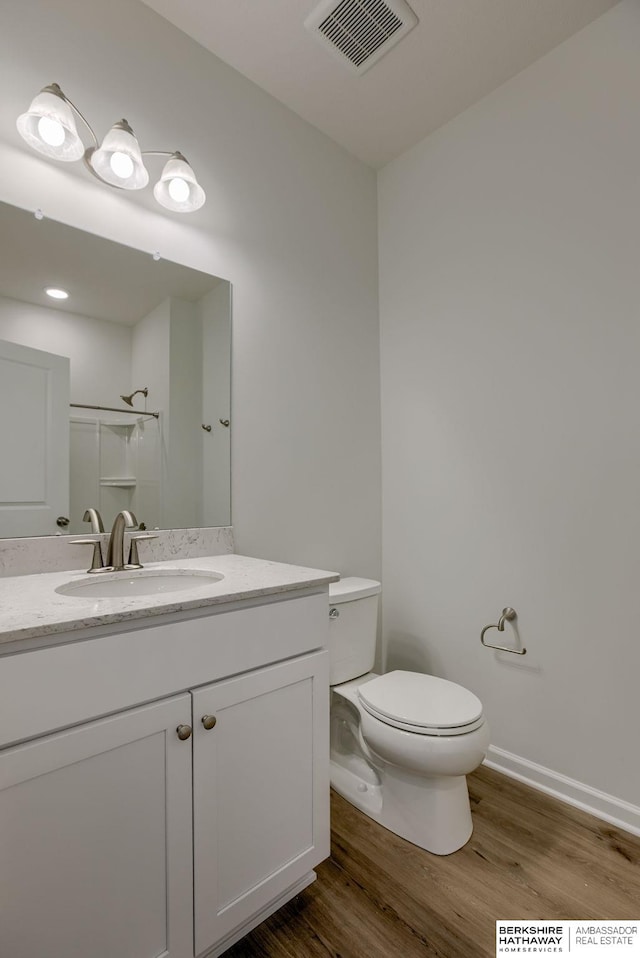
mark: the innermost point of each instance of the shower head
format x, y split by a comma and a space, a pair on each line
129, 399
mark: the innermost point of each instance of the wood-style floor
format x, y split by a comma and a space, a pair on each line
530, 857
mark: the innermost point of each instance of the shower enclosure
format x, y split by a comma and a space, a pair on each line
115, 464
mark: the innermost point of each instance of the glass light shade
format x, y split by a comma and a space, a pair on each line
118, 160
177, 189
49, 126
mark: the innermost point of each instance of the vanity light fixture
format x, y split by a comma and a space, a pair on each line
49, 126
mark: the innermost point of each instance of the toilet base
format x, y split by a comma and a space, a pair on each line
433, 813
357, 791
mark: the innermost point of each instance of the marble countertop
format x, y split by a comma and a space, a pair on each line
31, 608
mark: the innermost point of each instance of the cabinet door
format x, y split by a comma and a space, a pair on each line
261, 791
95, 839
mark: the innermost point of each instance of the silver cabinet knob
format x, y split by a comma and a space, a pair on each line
333, 613
62, 521
184, 732
208, 721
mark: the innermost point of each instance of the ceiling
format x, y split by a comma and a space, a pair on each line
459, 52
105, 280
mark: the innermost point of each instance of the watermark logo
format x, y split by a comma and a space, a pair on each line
582, 939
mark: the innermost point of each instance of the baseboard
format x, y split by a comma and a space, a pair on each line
610, 809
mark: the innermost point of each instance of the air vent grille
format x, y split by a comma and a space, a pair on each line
361, 31
358, 29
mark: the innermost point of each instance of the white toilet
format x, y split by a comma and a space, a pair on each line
401, 743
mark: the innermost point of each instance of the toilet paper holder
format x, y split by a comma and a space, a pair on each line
508, 615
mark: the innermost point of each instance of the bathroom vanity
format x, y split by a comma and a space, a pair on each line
164, 776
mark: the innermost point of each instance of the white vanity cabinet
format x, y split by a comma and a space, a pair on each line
184, 794
95, 839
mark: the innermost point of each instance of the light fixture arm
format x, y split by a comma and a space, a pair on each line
174, 154
55, 89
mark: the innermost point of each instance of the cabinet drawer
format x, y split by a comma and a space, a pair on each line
48, 689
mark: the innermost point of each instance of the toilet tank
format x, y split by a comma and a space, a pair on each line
353, 612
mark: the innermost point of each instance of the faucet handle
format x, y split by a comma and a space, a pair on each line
134, 559
97, 564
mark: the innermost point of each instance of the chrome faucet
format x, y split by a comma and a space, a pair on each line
115, 550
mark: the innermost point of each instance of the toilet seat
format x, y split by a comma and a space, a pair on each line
423, 704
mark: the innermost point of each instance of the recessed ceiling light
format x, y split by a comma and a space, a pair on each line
55, 293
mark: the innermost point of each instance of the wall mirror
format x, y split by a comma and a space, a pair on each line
117, 397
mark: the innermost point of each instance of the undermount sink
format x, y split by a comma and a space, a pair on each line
121, 585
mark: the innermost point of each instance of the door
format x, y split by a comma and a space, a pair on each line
261, 790
95, 840
34, 439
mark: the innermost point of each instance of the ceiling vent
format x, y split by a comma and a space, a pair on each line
360, 32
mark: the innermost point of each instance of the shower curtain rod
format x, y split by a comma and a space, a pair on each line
131, 412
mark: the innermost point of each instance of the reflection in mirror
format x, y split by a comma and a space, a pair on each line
107, 396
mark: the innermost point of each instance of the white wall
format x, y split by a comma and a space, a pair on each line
151, 367
290, 220
511, 400
100, 352
184, 485
150, 360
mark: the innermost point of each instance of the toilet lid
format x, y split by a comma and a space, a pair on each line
421, 703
